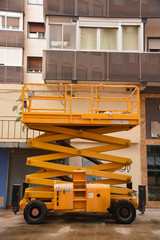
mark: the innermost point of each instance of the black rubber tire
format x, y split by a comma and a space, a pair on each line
124, 212
110, 210
40, 207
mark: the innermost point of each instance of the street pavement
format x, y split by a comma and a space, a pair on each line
84, 226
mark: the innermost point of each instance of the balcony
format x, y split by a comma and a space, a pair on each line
11, 39
12, 5
101, 66
10, 74
12, 130
103, 8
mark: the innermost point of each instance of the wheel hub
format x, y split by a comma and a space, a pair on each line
124, 212
35, 212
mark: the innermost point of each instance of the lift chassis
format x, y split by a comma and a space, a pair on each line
87, 113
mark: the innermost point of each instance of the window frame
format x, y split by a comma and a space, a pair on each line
62, 25
151, 38
140, 46
99, 23
153, 168
28, 31
41, 4
13, 15
117, 24
33, 71
98, 39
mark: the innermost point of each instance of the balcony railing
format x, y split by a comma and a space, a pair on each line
103, 8
101, 66
11, 130
11, 39
11, 74
12, 5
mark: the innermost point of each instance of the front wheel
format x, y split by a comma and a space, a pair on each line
35, 212
124, 212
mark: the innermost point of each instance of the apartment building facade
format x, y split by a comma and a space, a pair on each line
90, 42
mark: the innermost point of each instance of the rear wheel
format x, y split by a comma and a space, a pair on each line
124, 212
35, 212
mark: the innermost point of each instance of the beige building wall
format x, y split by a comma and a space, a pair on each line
33, 47
9, 93
10, 130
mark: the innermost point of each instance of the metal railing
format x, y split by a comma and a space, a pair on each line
10, 129
85, 101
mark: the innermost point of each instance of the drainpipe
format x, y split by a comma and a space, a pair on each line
144, 21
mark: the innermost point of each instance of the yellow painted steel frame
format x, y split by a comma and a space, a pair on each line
98, 107
49, 170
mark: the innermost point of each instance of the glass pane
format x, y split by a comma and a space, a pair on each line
86, 162
38, 2
69, 37
12, 23
56, 36
31, 1
41, 35
88, 38
33, 35
108, 39
153, 167
2, 22
157, 158
150, 160
130, 38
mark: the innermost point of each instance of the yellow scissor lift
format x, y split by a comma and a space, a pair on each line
89, 112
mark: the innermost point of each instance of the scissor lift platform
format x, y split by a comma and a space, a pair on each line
80, 105
89, 112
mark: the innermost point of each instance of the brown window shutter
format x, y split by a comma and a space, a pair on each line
34, 63
11, 21
36, 27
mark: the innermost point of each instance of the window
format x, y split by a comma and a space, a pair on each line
34, 64
92, 35
36, 30
153, 44
2, 22
11, 21
108, 39
88, 38
99, 38
152, 116
130, 38
10, 57
62, 36
37, 2
153, 166
86, 162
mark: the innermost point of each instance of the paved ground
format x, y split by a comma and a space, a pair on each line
80, 227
